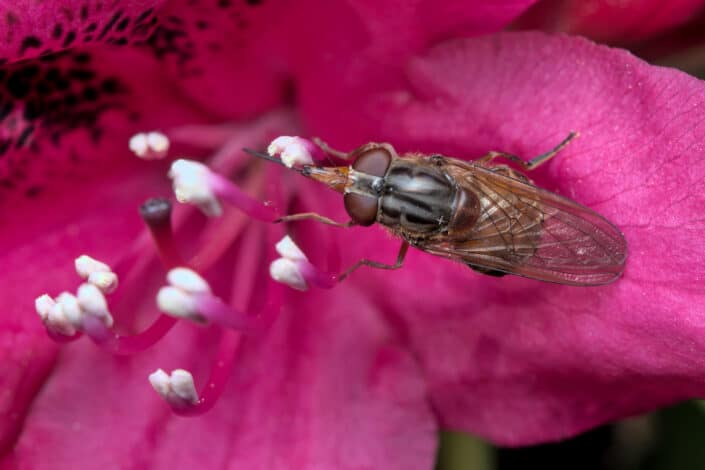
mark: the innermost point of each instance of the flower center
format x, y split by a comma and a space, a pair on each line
187, 295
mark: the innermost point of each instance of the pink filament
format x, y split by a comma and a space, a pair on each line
244, 288
220, 313
218, 378
128, 344
317, 277
232, 194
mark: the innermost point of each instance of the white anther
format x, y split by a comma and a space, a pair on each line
180, 298
188, 280
92, 302
149, 146
175, 389
56, 320
178, 303
160, 382
42, 305
105, 281
287, 272
191, 184
291, 150
138, 144
279, 144
97, 273
296, 154
288, 249
85, 266
287, 268
158, 143
72, 309
182, 384
53, 315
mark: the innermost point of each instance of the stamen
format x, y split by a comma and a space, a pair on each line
106, 282
287, 272
294, 150
295, 270
192, 185
150, 145
189, 296
97, 273
42, 305
178, 389
180, 299
53, 317
85, 265
72, 309
92, 302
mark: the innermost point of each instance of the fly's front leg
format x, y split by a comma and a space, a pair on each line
351, 156
534, 162
376, 264
314, 216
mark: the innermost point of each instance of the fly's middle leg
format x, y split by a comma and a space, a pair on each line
534, 162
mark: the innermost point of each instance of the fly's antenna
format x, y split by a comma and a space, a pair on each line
266, 156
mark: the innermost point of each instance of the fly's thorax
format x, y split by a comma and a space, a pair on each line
418, 197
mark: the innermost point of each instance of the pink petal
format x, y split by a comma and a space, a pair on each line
33, 28
362, 45
191, 42
518, 361
329, 387
614, 22
255, 38
224, 55
27, 359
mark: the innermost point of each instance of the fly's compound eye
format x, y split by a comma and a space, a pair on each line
374, 162
362, 209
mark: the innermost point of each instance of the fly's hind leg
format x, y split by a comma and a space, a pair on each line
487, 271
534, 162
314, 216
376, 264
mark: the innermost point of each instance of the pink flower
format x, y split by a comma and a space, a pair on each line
368, 371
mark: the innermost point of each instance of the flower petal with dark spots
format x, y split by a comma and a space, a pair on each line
33, 29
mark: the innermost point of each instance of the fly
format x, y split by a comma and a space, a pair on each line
480, 213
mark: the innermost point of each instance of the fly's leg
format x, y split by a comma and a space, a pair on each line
376, 264
316, 217
351, 156
331, 151
534, 162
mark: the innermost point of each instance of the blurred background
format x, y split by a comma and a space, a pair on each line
670, 439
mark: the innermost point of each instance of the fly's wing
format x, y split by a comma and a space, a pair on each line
530, 232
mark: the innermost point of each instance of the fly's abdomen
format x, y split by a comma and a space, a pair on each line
416, 198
